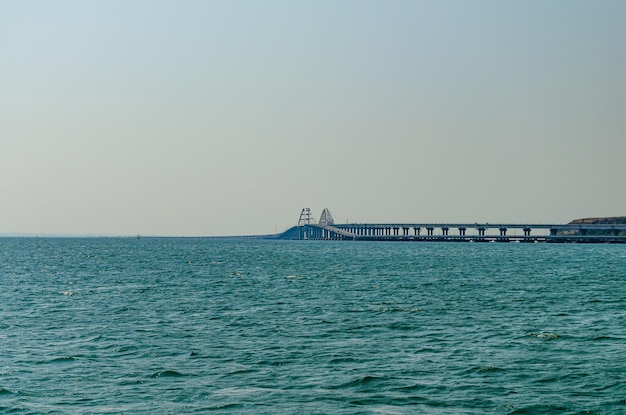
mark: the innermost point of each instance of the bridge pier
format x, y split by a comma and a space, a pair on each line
462, 231
444, 231
417, 230
430, 230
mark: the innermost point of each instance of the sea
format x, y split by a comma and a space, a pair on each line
237, 326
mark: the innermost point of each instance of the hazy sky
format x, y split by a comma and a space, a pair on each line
228, 117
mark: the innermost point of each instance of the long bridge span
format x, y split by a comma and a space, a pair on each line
326, 229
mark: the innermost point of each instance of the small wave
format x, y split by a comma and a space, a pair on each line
538, 409
227, 406
544, 335
67, 293
365, 381
244, 391
411, 388
63, 359
241, 371
401, 326
167, 374
490, 369
598, 338
125, 349
130, 382
410, 310
338, 360
198, 355
399, 310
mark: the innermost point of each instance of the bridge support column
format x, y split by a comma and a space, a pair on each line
462, 231
405, 231
481, 231
503, 231
396, 231
417, 230
445, 230
526, 231
429, 230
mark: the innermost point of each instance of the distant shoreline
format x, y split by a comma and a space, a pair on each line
608, 220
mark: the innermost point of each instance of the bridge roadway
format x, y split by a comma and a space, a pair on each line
477, 232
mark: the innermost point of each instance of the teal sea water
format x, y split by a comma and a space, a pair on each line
143, 326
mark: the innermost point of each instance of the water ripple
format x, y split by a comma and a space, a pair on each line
245, 327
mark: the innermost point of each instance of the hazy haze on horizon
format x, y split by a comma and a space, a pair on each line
229, 117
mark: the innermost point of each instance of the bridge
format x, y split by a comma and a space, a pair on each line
326, 229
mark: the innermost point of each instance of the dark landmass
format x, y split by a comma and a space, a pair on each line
612, 220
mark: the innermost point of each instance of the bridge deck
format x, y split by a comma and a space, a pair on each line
439, 225
326, 229
463, 233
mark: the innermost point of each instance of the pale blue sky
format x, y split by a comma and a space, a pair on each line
221, 118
